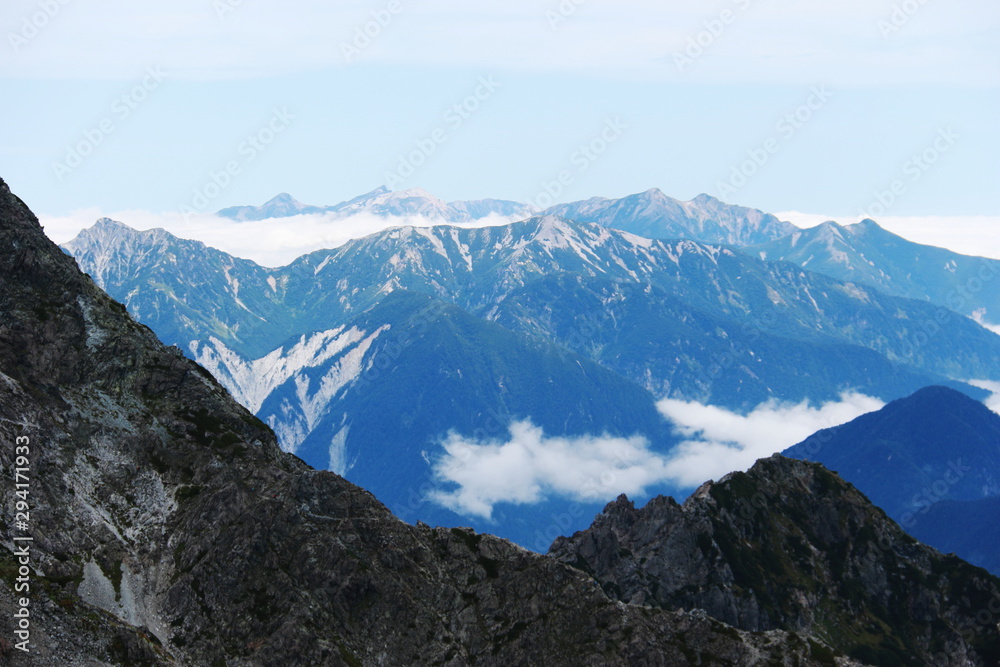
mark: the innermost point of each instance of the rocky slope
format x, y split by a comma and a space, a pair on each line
170, 529
791, 545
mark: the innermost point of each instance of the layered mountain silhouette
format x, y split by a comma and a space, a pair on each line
931, 461
169, 528
506, 324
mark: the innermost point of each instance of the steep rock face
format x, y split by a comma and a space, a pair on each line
169, 528
791, 545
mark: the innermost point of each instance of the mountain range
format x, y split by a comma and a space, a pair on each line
170, 529
572, 327
867, 254
650, 214
383, 202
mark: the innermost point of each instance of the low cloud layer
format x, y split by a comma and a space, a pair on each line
530, 467
993, 402
719, 442
270, 243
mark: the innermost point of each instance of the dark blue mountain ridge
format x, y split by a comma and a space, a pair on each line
964, 527
935, 445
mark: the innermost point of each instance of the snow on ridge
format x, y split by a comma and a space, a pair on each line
346, 370
252, 381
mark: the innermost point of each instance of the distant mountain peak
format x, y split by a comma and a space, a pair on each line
705, 198
652, 214
383, 202
283, 198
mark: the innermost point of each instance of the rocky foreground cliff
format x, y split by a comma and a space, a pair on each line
793, 546
168, 528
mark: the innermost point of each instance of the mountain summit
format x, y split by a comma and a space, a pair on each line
935, 445
652, 214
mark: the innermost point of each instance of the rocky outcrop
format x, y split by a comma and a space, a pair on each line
168, 527
791, 545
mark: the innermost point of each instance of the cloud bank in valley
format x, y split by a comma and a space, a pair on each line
993, 402
718, 441
530, 467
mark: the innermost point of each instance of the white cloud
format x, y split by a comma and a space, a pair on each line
530, 467
973, 235
270, 243
993, 402
979, 317
719, 442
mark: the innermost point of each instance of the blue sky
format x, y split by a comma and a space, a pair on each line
161, 96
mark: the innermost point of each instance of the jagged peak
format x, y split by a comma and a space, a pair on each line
283, 198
